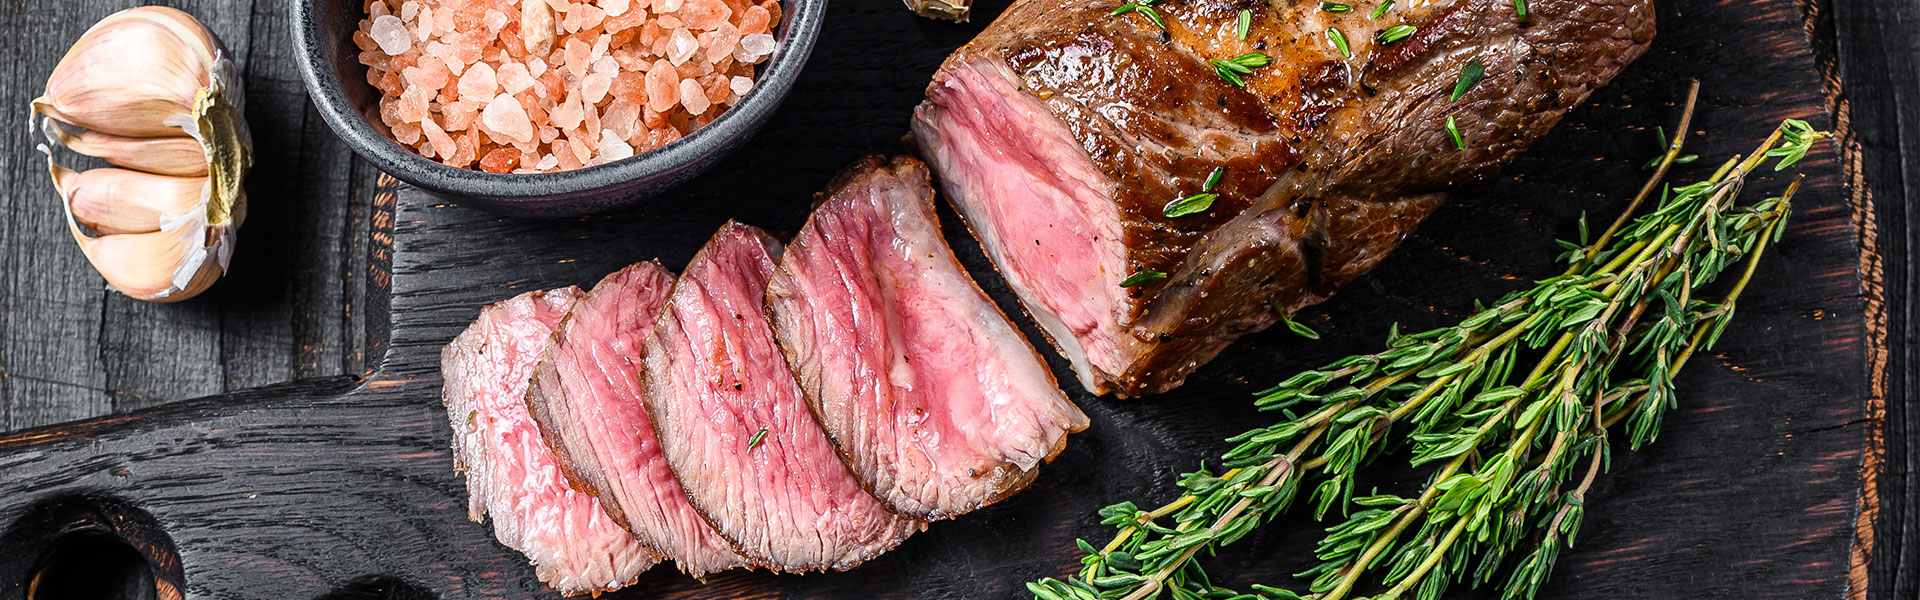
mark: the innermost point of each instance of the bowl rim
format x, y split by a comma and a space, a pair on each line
801, 24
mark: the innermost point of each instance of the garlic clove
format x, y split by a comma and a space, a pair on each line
112, 201
179, 155
160, 266
134, 74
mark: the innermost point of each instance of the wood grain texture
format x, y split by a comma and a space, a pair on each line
74, 349
339, 488
1874, 89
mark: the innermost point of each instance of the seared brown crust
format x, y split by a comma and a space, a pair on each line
1313, 138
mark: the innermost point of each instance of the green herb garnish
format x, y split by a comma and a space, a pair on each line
1520, 8
1295, 326
1453, 133
1381, 10
1469, 75
1339, 41
758, 437
1512, 411
1394, 33
1244, 23
1145, 8
1334, 7
1142, 277
1196, 203
1233, 69
1213, 179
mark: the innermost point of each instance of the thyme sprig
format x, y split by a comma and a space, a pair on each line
1512, 410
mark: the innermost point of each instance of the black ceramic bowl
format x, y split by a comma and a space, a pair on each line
336, 80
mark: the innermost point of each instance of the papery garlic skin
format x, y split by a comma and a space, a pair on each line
152, 91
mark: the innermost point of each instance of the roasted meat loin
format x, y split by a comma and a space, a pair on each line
735, 426
1063, 132
511, 475
586, 396
934, 399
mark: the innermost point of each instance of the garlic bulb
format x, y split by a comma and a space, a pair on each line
151, 91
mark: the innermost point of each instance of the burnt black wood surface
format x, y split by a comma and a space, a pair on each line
293, 307
343, 487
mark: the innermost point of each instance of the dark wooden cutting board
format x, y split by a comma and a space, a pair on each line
344, 487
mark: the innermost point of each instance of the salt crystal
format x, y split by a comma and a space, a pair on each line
621, 118
615, 8
496, 20
378, 9
704, 14
443, 144
409, 10
607, 65
576, 56
590, 16
754, 48
666, 6
407, 133
568, 114
693, 97
547, 163
740, 85
663, 85
479, 83
612, 147
442, 20
599, 49
536, 67
514, 77
505, 117
594, 87
722, 41
681, 46
390, 34
423, 28
413, 104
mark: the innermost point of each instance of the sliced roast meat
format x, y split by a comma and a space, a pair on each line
586, 397
934, 399
511, 475
1062, 133
736, 428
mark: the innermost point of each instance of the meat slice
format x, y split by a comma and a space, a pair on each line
1062, 133
736, 428
935, 400
586, 397
511, 475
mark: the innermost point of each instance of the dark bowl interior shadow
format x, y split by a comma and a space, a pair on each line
337, 83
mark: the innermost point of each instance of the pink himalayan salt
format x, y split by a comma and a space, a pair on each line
568, 114
681, 46
721, 42
594, 86
504, 118
443, 145
740, 85
662, 85
424, 82
704, 14
755, 20
576, 56
479, 82
513, 77
391, 34
753, 48
612, 147
693, 96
